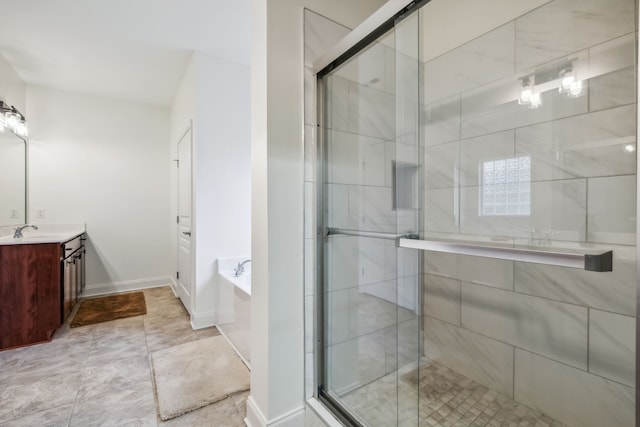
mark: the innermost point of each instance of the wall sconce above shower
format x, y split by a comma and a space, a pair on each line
569, 82
563, 77
528, 96
13, 120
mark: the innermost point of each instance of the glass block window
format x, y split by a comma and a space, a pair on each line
506, 186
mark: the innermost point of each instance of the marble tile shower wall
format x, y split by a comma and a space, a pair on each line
557, 339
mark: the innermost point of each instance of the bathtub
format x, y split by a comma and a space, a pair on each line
234, 305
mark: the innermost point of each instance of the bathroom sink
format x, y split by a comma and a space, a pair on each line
34, 238
45, 233
41, 236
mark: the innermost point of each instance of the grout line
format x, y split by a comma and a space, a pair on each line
513, 378
588, 339
84, 369
586, 209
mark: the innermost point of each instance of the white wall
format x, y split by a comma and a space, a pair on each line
277, 336
12, 88
105, 163
221, 168
12, 192
182, 114
215, 94
12, 179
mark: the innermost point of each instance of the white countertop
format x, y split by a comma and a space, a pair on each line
46, 233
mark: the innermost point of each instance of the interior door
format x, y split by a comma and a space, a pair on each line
184, 219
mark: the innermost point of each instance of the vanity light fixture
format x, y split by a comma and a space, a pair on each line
527, 94
563, 77
12, 119
569, 82
526, 91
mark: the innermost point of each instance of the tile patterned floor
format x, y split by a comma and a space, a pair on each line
445, 399
100, 375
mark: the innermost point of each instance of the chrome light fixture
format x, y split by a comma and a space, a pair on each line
13, 120
563, 77
528, 96
569, 82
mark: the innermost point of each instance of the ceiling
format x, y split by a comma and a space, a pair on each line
135, 50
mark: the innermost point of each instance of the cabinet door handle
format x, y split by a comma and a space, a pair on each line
186, 233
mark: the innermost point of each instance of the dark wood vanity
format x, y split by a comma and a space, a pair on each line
39, 284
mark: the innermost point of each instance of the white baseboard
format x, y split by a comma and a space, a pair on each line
203, 320
255, 417
130, 285
173, 285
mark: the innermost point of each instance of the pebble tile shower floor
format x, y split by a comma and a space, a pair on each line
100, 375
445, 399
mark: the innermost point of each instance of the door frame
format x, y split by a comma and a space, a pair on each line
190, 298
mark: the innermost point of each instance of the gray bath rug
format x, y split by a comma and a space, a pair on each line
196, 374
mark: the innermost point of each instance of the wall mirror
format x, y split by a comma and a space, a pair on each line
13, 179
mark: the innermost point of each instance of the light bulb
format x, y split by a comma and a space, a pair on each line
566, 82
536, 100
527, 85
629, 148
525, 97
21, 129
575, 89
12, 120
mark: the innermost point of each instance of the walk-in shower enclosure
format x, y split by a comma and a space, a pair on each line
477, 217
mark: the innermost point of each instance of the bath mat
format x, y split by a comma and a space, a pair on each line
112, 307
189, 376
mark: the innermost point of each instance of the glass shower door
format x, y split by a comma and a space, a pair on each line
371, 328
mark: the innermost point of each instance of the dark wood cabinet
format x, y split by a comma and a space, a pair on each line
39, 285
73, 274
30, 293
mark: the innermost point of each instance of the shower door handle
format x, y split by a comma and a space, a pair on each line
600, 262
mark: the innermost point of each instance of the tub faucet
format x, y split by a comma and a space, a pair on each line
18, 232
240, 268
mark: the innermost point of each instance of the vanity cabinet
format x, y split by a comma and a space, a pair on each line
30, 293
72, 273
39, 284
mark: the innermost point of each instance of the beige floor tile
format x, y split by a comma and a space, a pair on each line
206, 333
38, 394
117, 381
99, 375
54, 417
100, 412
11, 361
221, 414
105, 350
